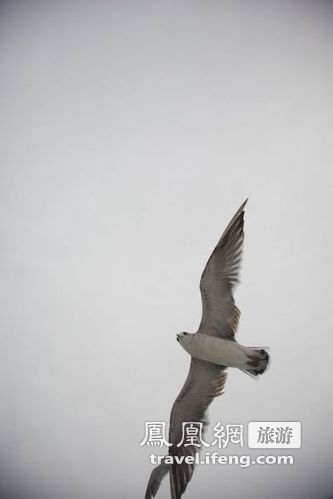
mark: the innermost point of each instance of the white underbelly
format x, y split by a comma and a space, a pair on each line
217, 350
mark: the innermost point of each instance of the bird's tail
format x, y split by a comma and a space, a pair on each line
258, 361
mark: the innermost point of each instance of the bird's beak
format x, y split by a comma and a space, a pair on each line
177, 337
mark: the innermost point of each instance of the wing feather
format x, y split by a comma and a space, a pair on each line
220, 315
155, 480
204, 382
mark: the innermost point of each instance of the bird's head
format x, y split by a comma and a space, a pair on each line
184, 339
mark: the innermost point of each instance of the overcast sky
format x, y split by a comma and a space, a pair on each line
131, 132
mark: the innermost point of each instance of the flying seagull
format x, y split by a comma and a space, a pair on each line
213, 348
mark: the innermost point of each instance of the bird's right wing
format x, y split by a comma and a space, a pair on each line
155, 479
205, 381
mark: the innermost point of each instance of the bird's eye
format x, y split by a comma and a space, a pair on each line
185, 334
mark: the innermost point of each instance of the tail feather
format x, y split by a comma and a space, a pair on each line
258, 361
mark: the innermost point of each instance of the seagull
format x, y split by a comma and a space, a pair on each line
213, 349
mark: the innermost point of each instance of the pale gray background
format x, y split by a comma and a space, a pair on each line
131, 133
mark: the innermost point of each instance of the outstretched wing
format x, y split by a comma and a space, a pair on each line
155, 479
220, 316
204, 382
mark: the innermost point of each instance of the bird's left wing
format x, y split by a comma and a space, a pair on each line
220, 315
205, 381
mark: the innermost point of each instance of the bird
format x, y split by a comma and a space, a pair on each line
213, 349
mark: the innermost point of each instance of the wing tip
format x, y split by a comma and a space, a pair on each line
239, 214
241, 208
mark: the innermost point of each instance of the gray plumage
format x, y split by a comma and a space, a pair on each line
206, 379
